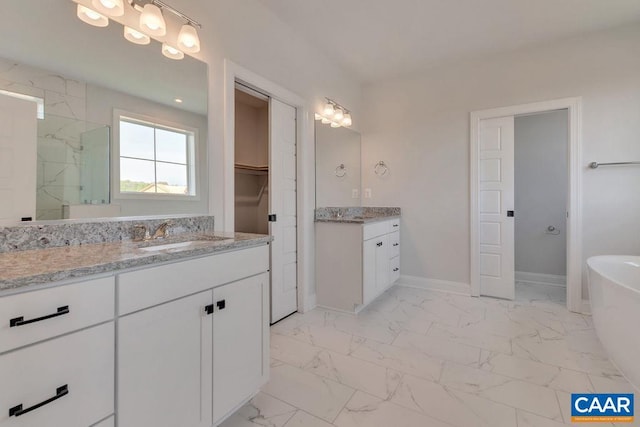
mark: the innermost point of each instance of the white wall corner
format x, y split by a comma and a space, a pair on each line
435, 285
309, 303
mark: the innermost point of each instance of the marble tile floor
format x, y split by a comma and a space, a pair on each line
419, 358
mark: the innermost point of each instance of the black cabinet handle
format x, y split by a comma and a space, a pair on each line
379, 244
396, 225
19, 321
16, 411
221, 304
396, 269
396, 244
208, 309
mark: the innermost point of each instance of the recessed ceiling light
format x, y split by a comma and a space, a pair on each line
178, 100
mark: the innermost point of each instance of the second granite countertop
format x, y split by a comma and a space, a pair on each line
20, 269
356, 215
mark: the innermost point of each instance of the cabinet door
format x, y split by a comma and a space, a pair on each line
164, 365
240, 331
382, 263
369, 250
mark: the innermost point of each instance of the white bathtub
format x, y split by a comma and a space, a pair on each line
614, 289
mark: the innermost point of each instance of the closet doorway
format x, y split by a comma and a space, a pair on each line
494, 205
265, 186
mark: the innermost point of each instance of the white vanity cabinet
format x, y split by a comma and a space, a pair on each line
192, 339
57, 355
355, 263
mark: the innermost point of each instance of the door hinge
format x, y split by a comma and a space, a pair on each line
510, 214
273, 218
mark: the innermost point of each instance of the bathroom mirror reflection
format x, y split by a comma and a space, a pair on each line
337, 167
80, 76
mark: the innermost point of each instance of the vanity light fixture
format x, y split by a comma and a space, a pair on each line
135, 36
109, 7
335, 115
91, 17
188, 39
171, 52
152, 22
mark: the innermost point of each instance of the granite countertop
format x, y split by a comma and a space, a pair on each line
357, 219
23, 268
356, 214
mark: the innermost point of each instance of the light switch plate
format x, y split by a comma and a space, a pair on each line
367, 193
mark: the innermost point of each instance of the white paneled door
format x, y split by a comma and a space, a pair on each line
282, 204
496, 204
18, 157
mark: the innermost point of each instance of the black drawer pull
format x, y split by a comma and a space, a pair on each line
221, 304
396, 225
396, 244
396, 269
16, 411
19, 321
208, 309
379, 244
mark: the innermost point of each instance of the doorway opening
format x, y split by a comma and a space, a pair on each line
502, 214
541, 176
265, 187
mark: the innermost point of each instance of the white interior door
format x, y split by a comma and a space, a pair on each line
18, 157
496, 204
282, 204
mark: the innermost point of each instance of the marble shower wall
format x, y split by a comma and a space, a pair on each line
59, 134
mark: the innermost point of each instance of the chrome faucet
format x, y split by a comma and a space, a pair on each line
161, 231
140, 233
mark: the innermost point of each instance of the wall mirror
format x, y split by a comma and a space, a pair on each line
337, 167
85, 77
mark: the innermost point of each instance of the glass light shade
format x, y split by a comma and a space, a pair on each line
152, 21
325, 121
335, 124
339, 115
135, 36
109, 7
346, 121
188, 40
318, 116
91, 17
171, 52
328, 110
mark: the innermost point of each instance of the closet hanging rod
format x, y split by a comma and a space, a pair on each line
595, 165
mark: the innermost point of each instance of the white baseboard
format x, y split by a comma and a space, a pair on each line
541, 279
435, 285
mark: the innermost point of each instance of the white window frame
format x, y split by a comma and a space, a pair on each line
192, 156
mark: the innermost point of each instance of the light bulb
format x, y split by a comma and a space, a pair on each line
171, 52
152, 21
335, 124
318, 116
325, 121
91, 17
135, 36
346, 121
188, 39
109, 7
339, 115
328, 109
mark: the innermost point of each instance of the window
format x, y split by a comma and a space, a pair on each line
155, 159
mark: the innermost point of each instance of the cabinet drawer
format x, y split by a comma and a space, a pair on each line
82, 361
394, 244
394, 266
41, 314
145, 288
394, 225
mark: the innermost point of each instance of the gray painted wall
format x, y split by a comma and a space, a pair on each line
541, 192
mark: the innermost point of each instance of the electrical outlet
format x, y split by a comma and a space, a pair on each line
355, 193
367, 193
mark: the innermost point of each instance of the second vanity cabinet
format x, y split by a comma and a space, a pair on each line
355, 262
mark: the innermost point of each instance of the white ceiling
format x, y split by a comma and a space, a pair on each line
377, 39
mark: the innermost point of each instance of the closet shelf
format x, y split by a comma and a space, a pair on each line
251, 169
